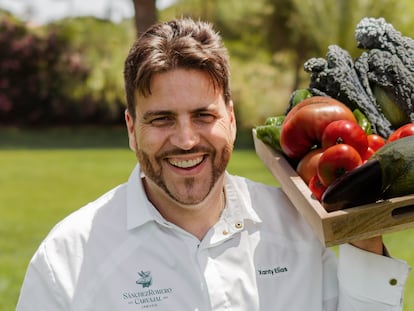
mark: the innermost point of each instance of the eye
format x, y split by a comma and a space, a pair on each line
205, 117
162, 121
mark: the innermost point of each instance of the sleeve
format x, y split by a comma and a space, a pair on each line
39, 290
369, 282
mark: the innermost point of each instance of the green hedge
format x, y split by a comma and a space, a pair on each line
46, 80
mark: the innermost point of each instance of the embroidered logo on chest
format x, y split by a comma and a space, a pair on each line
146, 296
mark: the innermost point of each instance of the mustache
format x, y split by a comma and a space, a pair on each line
177, 151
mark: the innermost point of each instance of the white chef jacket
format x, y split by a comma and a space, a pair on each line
118, 253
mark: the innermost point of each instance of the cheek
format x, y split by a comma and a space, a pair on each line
227, 130
140, 137
149, 142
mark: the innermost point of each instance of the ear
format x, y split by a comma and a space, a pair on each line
131, 130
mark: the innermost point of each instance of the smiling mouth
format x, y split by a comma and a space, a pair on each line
186, 163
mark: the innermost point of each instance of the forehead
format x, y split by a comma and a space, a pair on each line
180, 88
181, 79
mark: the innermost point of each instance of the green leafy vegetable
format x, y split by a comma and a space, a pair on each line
269, 133
337, 77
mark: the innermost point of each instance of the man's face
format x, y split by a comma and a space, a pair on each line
183, 135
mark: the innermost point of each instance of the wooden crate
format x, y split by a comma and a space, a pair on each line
340, 226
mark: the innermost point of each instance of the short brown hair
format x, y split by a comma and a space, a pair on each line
180, 43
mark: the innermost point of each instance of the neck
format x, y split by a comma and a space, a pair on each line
196, 219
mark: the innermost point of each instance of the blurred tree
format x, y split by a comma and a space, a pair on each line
145, 14
102, 45
282, 34
307, 28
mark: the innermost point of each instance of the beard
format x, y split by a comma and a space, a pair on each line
153, 170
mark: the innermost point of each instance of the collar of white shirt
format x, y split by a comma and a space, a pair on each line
140, 210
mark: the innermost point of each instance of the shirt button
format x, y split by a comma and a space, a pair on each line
393, 282
225, 232
238, 225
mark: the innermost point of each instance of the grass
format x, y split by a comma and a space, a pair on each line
45, 175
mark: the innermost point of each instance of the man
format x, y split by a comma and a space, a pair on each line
182, 233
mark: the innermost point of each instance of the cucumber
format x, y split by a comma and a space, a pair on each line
388, 173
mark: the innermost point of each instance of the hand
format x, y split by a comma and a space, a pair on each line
373, 245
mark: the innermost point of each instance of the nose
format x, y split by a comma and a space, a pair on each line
185, 136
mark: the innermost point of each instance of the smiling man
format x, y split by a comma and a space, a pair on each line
183, 136
184, 234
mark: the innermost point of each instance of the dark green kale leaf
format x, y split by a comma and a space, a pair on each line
388, 71
337, 77
376, 33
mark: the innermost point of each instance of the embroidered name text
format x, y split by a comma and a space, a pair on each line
272, 271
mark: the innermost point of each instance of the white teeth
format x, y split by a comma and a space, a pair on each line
186, 163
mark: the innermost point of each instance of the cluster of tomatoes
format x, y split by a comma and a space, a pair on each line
344, 146
326, 140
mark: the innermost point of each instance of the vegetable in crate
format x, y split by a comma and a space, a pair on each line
388, 173
390, 67
337, 77
269, 133
297, 96
305, 123
403, 131
392, 85
363, 121
301, 94
336, 161
308, 165
387, 68
376, 33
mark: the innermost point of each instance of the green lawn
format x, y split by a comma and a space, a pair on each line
46, 175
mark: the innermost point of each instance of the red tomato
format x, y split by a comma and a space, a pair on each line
316, 187
367, 154
345, 132
304, 124
308, 165
405, 130
336, 161
375, 141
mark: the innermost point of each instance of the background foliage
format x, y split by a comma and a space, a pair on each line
70, 71
64, 73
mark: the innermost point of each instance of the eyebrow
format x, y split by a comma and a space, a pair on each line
154, 113
149, 114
